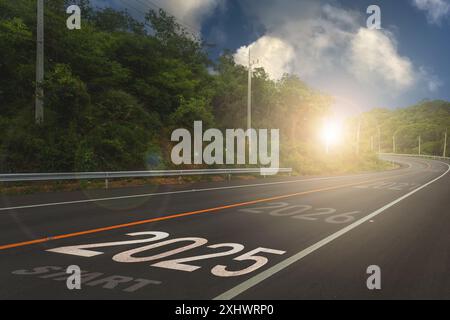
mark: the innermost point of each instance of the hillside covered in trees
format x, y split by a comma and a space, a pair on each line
428, 120
116, 89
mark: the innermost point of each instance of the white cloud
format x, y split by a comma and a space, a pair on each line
332, 41
331, 48
190, 12
374, 56
274, 54
328, 46
436, 10
432, 81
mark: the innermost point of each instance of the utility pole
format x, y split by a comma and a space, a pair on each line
249, 96
358, 136
420, 145
251, 63
394, 147
249, 91
39, 104
379, 139
445, 143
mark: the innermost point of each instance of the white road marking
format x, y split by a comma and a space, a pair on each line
244, 286
82, 250
260, 261
174, 264
284, 209
174, 192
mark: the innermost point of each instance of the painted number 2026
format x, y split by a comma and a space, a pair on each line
180, 264
304, 212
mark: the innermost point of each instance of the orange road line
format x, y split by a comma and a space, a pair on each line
180, 215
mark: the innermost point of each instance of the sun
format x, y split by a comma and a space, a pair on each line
331, 132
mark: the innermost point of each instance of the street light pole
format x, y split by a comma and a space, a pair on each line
39, 103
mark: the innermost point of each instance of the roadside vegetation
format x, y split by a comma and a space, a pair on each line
116, 89
428, 120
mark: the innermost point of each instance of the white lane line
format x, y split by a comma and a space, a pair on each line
387, 158
244, 286
176, 192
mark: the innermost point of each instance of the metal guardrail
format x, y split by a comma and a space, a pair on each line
416, 156
22, 177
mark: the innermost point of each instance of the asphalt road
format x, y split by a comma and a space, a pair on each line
282, 238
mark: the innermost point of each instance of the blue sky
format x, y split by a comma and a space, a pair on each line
328, 45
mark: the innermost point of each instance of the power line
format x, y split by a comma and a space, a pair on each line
148, 5
135, 9
179, 21
151, 4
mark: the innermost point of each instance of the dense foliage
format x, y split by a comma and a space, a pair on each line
428, 120
115, 89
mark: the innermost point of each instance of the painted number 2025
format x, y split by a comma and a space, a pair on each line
181, 264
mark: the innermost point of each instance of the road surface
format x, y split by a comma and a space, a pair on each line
281, 238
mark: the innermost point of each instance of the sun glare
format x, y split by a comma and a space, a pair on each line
331, 132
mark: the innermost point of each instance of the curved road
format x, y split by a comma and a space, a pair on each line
284, 238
